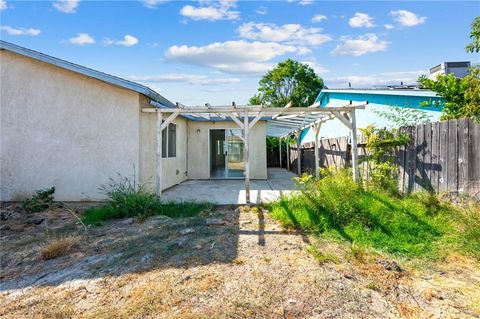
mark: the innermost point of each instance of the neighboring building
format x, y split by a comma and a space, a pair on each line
379, 100
71, 127
459, 69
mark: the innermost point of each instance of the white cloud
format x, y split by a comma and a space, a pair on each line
231, 56
20, 31
306, 2
128, 41
360, 45
389, 26
318, 68
318, 18
153, 3
407, 18
289, 33
82, 39
3, 5
188, 78
212, 10
66, 6
361, 20
261, 10
386, 78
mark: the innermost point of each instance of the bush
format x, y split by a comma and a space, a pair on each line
58, 247
43, 199
335, 205
128, 199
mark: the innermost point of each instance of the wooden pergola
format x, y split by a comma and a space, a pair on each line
281, 123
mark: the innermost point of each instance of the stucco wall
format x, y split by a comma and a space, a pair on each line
198, 148
62, 129
174, 169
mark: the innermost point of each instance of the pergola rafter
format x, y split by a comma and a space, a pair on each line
281, 122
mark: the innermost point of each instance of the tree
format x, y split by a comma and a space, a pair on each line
290, 81
475, 36
462, 96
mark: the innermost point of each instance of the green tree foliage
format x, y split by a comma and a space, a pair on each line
401, 117
290, 81
462, 95
475, 36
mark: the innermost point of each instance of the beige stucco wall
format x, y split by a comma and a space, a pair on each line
62, 129
174, 169
198, 148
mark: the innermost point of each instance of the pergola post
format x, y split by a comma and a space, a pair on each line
158, 176
246, 157
280, 150
299, 154
356, 175
316, 129
288, 155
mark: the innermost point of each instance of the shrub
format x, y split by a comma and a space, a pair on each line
414, 225
58, 247
129, 199
41, 200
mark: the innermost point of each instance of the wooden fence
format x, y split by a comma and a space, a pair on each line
441, 156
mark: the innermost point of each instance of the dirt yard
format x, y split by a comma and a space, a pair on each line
231, 263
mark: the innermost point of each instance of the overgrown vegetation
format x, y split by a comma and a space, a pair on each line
380, 158
41, 200
58, 247
404, 116
129, 199
417, 225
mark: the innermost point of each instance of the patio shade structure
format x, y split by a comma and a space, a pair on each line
281, 123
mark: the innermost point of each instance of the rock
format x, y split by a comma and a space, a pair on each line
36, 220
390, 265
181, 242
198, 246
245, 222
214, 221
127, 221
146, 259
292, 301
187, 231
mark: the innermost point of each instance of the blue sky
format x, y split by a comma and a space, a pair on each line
216, 51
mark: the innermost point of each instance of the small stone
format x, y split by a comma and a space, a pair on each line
245, 222
214, 221
187, 231
292, 301
127, 221
181, 242
198, 246
146, 259
390, 265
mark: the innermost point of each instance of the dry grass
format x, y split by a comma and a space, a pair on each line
58, 247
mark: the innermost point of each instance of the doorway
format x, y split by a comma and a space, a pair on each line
226, 154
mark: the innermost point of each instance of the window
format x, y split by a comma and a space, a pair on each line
169, 141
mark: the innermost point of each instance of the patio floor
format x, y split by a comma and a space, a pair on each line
225, 192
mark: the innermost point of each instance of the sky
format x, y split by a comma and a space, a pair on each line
197, 52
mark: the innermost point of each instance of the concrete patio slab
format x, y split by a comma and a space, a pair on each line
227, 192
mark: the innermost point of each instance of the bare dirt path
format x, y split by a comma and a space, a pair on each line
230, 263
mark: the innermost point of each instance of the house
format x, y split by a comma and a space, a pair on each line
74, 128
458, 69
379, 101
68, 126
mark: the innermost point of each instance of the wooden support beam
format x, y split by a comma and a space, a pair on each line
255, 120
159, 168
316, 129
356, 174
246, 157
299, 155
342, 119
169, 120
280, 150
288, 154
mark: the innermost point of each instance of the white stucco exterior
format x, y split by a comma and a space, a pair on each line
68, 130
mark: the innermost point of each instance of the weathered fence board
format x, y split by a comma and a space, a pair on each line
441, 156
